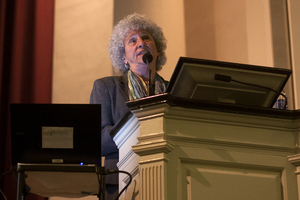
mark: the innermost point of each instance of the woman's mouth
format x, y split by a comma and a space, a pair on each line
142, 53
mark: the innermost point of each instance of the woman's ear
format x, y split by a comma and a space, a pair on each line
126, 64
124, 60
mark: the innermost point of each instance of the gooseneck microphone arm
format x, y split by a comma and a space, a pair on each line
225, 78
147, 58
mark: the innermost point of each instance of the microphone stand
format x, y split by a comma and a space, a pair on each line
149, 80
147, 58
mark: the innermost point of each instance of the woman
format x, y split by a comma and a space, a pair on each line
132, 38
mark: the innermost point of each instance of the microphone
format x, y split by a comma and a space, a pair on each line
225, 78
147, 58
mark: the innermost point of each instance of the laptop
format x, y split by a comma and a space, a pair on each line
56, 134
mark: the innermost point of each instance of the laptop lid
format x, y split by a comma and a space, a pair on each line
196, 79
56, 133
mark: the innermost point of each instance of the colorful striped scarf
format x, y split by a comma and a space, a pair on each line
138, 88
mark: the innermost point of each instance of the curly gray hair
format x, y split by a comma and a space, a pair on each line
135, 22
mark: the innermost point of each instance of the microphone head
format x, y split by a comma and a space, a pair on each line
147, 57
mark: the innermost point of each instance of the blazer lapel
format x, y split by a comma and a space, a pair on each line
124, 86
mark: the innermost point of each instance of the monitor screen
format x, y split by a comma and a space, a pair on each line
56, 133
226, 82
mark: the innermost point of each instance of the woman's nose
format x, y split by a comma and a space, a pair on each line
141, 43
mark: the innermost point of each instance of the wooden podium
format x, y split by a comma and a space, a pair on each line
180, 149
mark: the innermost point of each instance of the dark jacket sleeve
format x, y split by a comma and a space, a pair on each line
100, 95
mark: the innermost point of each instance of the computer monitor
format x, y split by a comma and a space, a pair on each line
198, 79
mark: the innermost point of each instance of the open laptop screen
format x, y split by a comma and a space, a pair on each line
56, 133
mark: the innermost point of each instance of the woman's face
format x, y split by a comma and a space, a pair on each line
138, 43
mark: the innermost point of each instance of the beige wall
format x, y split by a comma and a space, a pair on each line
294, 24
82, 29
231, 30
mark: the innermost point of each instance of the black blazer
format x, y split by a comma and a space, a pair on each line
112, 94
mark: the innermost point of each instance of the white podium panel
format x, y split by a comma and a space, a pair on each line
219, 182
178, 153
